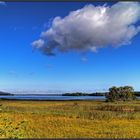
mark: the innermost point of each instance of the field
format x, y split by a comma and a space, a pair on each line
69, 119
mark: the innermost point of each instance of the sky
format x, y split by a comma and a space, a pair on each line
69, 45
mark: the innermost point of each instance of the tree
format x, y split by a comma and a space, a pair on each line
120, 93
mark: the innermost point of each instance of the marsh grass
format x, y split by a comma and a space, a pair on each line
69, 119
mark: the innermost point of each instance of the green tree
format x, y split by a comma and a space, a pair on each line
124, 93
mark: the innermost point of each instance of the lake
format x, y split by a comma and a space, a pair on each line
46, 97
52, 97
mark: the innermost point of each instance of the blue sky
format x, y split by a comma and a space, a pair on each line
22, 67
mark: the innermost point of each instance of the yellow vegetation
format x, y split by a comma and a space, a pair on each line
69, 119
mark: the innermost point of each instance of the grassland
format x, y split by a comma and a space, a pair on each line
69, 119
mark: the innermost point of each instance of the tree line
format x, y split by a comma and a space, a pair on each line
122, 93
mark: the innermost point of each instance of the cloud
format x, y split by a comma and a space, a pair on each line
31, 73
18, 28
91, 28
84, 59
13, 73
38, 43
49, 66
2, 3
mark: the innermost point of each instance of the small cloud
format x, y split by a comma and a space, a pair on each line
12, 73
31, 73
49, 66
84, 59
2, 3
15, 28
18, 28
93, 49
38, 43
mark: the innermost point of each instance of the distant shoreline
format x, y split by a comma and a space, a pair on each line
76, 94
5, 99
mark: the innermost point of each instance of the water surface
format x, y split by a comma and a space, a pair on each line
46, 97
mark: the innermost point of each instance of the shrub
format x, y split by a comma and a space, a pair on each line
120, 94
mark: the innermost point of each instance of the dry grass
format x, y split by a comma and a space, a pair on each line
69, 119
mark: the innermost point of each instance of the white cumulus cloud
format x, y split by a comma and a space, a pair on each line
91, 28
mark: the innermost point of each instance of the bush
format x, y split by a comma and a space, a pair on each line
125, 93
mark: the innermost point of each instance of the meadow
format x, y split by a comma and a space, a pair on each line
69, 119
